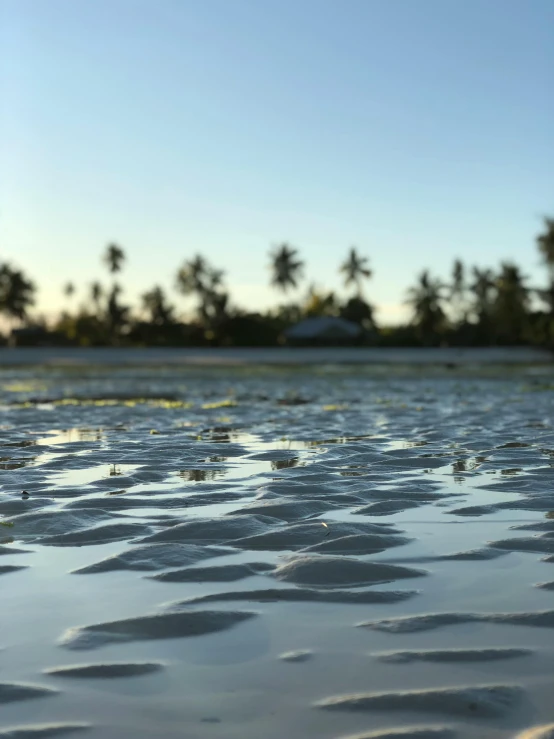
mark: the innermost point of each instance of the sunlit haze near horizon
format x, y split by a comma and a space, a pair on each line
419, 131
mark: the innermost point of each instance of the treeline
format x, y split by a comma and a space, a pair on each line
475, 307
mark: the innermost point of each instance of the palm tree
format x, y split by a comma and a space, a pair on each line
114, 257
117, 314
355, 269
16, 292
511, 305
69, 289
545, 242
483, 290
155, 304
193, 275
458, 291
482, 287
286, 267
425, 300
96, 293
198, 277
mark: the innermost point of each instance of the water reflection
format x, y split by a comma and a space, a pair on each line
221, 435
200, 475
281, 464
219, 438
309, 443
7, 463
467, 465
67, 436
292, 400
405, 444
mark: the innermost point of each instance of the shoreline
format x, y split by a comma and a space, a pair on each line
273, 356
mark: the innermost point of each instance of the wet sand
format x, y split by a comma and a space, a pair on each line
236, 553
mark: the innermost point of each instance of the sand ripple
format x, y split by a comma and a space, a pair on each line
42, 731
358, 544
479, 702
223, 573
452, 655
10, 692
303, 595
12, 550
157, 626
543, 543
98, 535
153, 557
426, 622
538, 732
6, 569
299, 655
214, 530
411, 732
107, 670
336, 572
302, 535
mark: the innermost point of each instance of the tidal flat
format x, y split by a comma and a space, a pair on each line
246, 552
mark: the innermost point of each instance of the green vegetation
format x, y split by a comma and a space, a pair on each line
475, 307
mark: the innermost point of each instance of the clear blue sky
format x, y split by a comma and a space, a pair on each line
419, 130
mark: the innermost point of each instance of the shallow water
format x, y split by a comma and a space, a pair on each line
262, 552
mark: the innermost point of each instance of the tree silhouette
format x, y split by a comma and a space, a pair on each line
117, 314
425, 300
545, 242
198, 277
16, 292
96, 293
193, 276
458, 291
69, 290
511, 304
483, 287
355, 269
114, 257
286, 267
480, 306
359, 311
319, 303
154, 302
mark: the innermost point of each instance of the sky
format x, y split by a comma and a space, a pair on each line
417, 130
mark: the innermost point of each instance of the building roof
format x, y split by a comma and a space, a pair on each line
324, 327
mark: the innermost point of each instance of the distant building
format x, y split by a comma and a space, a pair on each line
324, 330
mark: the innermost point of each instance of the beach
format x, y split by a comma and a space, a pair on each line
220, 544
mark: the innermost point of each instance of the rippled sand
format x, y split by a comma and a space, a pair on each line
241, 553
